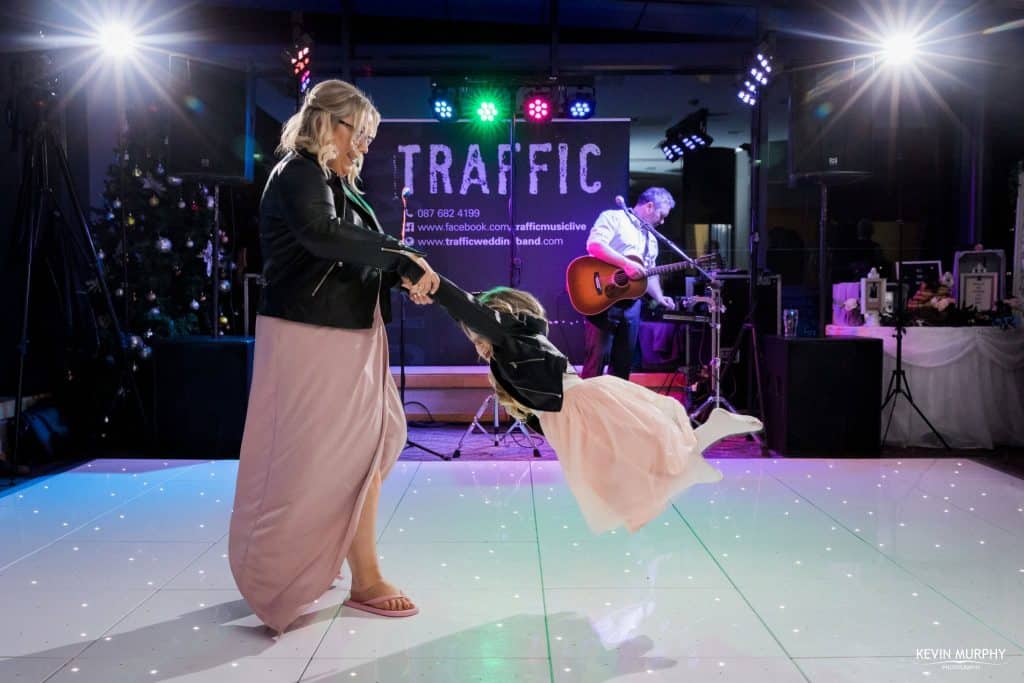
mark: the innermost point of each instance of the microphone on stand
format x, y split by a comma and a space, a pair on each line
621, 203
406, 191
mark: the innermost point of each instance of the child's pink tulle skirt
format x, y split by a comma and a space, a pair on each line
625, 450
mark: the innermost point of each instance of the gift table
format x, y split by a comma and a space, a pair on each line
968, 381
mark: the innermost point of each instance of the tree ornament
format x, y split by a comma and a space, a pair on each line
225, 286
181, 203
152, 184
100, 254
164, 244
194, 305
134, 341
159, 168
145, 352
137, 172
119, 292
154, 201
131, 220
151, 295
116, 203
189, 243
148, 334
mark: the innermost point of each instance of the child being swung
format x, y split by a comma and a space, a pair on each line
625, 451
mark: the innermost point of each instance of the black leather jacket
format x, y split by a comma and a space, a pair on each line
326, 260
524, 361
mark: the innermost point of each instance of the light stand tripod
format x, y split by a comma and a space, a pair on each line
409, 443
515, 269
38, 201
492, 401
898, 385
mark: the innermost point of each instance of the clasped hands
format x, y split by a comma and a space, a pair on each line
421, 291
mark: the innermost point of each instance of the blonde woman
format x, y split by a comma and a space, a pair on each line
325, 424
625, 451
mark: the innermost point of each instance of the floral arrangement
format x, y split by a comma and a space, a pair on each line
933, 304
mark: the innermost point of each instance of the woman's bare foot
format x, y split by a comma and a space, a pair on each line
378, 589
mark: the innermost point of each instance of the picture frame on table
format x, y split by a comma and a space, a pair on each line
978, 290
917, 272
872, 295
992, 261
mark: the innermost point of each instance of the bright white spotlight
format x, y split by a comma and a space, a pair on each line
117, 40
899, 48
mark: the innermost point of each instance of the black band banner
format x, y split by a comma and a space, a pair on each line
463, 183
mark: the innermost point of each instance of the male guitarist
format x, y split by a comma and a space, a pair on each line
611, 336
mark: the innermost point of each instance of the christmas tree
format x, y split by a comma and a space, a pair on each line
155, 239
155, 235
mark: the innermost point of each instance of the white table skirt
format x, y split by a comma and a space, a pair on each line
968, 382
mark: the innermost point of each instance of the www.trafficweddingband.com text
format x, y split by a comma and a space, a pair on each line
498, 240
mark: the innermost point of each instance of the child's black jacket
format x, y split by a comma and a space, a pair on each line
524, 362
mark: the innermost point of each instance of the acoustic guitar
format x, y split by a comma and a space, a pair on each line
594, 285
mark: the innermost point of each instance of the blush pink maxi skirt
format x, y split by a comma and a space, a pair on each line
324, 414
625, 450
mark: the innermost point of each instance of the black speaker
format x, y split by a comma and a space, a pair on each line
823, 396
831, 122
709, 186
736, 299
210, 130
200, 395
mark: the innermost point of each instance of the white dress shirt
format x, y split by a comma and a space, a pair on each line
616, 230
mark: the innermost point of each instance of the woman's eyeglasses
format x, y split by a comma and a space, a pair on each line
357, 138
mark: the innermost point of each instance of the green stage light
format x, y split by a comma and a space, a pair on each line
487, 110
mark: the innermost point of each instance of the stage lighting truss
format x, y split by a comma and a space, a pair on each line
758, 75
300, 59
688, 135
486, 102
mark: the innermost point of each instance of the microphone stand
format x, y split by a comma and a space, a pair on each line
714, 291
409, 443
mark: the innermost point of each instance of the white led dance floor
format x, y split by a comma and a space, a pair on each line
788, 570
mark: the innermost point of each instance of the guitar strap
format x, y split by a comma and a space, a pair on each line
647, 243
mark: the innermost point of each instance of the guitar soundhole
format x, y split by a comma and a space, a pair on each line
621, 279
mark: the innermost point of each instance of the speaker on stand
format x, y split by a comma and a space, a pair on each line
210, 133
831, 124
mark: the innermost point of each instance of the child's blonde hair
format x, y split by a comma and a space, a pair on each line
513, 302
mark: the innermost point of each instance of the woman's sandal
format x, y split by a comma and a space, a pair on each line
371, 606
